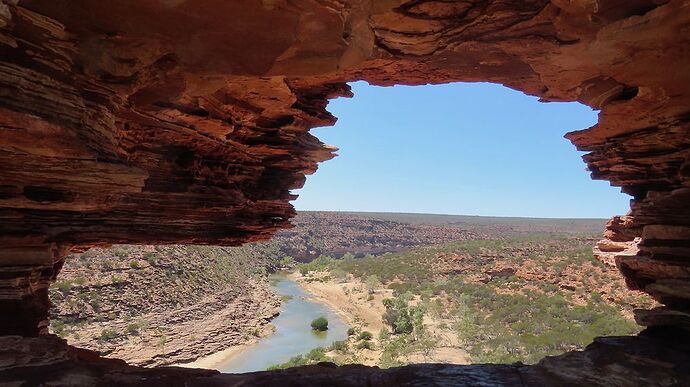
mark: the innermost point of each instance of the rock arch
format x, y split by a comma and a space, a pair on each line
187, 122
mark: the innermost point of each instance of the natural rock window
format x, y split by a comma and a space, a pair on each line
188, 122
461, 148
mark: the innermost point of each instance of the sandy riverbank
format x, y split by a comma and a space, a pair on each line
364, 310
213, 360
359, 308
349, 299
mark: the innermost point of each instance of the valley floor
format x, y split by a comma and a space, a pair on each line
463, 290
363, 309
494, 300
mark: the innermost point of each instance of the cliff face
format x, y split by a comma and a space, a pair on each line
161, 305
187, 121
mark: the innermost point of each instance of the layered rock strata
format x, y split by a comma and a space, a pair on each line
161, 305
188, 122
25, 275
612, 361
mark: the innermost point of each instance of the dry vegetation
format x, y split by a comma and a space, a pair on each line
507, 300
439, 288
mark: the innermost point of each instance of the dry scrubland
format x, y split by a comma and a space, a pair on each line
500, 301
413, 287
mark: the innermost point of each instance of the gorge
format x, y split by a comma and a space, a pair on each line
164, 122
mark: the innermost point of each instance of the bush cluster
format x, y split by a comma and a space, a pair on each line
320, 324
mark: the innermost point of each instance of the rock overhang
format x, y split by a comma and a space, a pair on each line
188, 122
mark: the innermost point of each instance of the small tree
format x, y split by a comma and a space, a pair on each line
347, 257
339, 274
287, 262
372, 282
400, 317
320, 324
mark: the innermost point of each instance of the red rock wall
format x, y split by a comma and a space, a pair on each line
187, 121
608, 361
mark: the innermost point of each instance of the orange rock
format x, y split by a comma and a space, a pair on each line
188, 122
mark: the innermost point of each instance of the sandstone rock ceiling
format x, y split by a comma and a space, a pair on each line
185, 121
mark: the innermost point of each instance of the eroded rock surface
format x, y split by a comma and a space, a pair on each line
187, 121
645, 360
162, 305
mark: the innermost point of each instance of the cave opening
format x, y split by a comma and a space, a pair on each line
188, 122
534, 289
457, 148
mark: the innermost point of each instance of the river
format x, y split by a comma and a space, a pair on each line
293, 335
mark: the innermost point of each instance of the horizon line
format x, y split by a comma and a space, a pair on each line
465, 215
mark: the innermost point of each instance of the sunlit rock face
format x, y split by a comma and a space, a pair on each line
187, 121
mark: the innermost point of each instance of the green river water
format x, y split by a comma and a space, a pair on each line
293, 335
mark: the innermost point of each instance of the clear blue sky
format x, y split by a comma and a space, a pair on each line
470, 149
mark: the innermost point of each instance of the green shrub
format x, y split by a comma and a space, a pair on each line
365, 335
150, 258
316, 355
339, 274
364, 345
64, 286
106, 265
58, 327
120, 252
321, 263
94, 301
340, 345
286, 262
400, 317
132, 329
108, 334
384, 334
372, 282
320, 324
351, 331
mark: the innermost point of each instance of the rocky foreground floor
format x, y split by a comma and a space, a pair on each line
658, 358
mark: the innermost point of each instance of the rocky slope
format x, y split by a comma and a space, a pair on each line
336, 233
561, 265
156, 305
